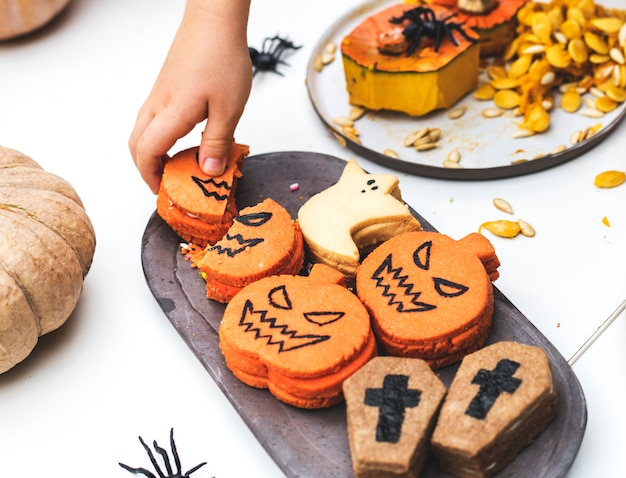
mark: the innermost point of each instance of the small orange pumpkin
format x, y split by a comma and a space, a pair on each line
19, 17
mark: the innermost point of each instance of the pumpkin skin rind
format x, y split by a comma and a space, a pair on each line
47, 244
20, 17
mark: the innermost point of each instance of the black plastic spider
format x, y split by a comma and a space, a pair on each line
270, 55
424, 23
166, 461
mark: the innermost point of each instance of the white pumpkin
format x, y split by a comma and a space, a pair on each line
47, 243
19, 17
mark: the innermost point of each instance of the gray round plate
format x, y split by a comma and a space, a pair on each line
487, 146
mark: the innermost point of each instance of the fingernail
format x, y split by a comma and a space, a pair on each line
212, 166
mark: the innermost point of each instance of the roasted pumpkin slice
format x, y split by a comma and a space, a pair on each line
433, 76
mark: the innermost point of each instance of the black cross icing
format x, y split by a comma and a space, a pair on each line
392, 400
492, 384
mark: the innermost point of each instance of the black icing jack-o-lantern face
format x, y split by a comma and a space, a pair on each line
425, 284
235, 243
406, 293
296, 322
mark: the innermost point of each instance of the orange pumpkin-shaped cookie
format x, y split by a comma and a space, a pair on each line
298, 336
263, 240
198, 207
429, 295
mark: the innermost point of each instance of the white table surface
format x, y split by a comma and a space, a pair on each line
118, 369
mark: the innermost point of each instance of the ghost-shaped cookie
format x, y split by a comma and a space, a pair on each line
349, 218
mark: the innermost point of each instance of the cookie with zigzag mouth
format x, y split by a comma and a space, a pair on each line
299, 336
263, 240
198, 207
430, 296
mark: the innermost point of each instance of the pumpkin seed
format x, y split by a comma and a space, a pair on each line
518, 161
606, 104
449, 164
456, 113
340, 139
616, 94
570, 28
571, 101
610, 179
343, 121
505, 83
596, 43
520, 66
526, 229
425, 146
547, 78
502, 205
507, 99
356, 113
454, 156
491, 112
577, 137
327, 58
621, 36
533, 49
318, 64
434, 134
414, 136
541, 26
484, 92
501, 228
523, 133
616, 55
330, 47
592, 113
350, 130
496, 71
558, 149
538, 119
557, 56
391, 153
607, 24
578, 50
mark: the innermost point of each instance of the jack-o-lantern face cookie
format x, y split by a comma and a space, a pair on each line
263, 240
198, 207
429, 295
298, 336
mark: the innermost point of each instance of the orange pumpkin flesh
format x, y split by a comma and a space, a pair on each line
416, 84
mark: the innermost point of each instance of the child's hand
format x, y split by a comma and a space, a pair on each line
207, 75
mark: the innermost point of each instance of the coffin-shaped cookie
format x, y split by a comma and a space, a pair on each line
392, 404
501, 398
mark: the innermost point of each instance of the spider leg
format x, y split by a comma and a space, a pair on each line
174, 451
416, 39
194, 469
143, 471
458, 28
166, 459
152, 458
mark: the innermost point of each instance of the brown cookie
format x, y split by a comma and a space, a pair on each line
501, 398
391, 404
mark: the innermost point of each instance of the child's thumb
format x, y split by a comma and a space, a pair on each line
213, 154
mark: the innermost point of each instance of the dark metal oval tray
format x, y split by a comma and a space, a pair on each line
314, 442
